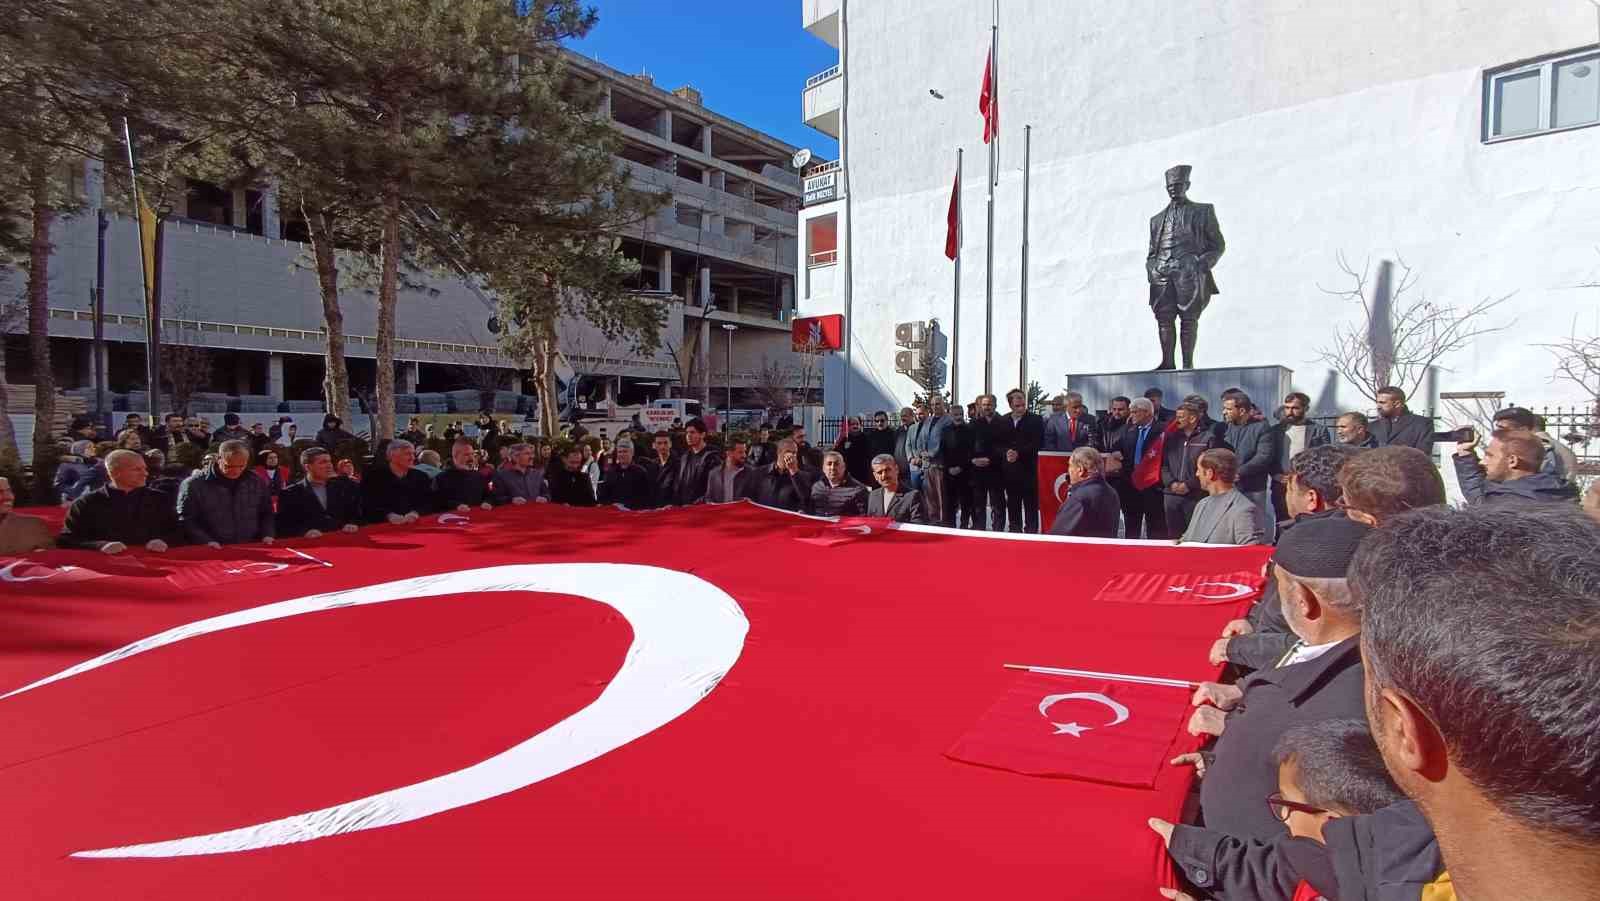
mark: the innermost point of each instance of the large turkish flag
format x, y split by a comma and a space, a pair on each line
549, 702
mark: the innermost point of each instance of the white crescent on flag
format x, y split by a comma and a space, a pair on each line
446, 519
687, 634
1073, 729
1061, 486
1238, 591
8, 573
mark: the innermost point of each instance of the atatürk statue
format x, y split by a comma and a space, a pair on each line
1185, 242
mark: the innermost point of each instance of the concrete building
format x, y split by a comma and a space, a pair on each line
1455, 137
237, 278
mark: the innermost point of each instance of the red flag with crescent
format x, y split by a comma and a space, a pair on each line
1147, 470
551, 690
952, 232
989, 101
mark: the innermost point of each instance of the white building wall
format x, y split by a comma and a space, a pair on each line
1315, 129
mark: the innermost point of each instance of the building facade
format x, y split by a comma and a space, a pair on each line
1456, 138
237, 278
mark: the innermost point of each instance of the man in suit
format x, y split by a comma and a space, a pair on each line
733, 480
1398, 425
937, 431
1142, 511
955, 446
891, 499
1255, 445
1092, 506
1185, 245
1226, 516
1069, 425
1021, 433
320, 502
988, 453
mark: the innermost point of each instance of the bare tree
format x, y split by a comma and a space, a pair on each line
1401, 334
809, 369
772, 386
186, 363
684, 357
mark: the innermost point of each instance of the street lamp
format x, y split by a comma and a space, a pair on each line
730, 328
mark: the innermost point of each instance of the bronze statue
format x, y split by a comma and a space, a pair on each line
1185, 242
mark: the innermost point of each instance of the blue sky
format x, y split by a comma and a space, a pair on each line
749, 58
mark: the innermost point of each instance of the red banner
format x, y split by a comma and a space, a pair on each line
1053, 485
814, 334
544, 694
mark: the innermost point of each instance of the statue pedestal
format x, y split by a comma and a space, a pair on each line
1266, 385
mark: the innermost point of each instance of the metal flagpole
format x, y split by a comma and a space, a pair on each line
955, 317
994, 142
1113, 677
152, 322
1027, 142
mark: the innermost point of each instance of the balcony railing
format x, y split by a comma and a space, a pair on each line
827, 74
823, 258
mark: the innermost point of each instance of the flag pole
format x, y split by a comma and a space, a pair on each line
1027, 145
1114, 677
988, 269
152, 321
955, 317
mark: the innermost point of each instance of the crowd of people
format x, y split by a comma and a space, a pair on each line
1408, 711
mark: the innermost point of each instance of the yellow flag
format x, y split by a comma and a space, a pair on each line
147, 251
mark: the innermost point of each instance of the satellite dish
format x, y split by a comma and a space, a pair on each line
494, 325
801, 157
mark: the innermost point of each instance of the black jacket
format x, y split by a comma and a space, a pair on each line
690, 472
629, 486
1385, 856
382, 493
986, 442
570, 488
858, 453
1127, 447
1108, 433
1091, 510
131, 517
660, 475
1408, 429
1178, 457
299, 511
1227, 866
213, 507
744, 484
1243, 772
882, 441
1024, 436
849, 499
1530, 491
455, 486
786, 491
957, 450
1256, 445
330, 439
1317, 435
907, 505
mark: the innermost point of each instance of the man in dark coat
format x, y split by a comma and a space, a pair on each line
988, 458
321, 502
661, 466
393, 490
569, 484
225, 503
518, 481
626, 482
837, 493
1143, 514
1295, 433
786, 484
1092, 507
1021, 433
892, 499
1180, 480
1185, 245
956, 446
881, 438
332, 434
902, 440
856, 447
1398, 425
1511, 473
733, 480
460, 487
1256, 446
122, 514
1320, 678
694, 466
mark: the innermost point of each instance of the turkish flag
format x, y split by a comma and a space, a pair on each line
1095, 729
846, 530
1235, 588
989, 101
190, 568
587, 703
1147, 471
1053, 484
952, 232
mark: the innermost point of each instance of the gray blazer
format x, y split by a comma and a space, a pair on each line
906, 507
1228, 518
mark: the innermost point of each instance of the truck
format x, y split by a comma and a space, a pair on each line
660, 413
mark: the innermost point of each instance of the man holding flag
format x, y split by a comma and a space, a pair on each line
1137, 478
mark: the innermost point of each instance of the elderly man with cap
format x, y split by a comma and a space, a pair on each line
1319, 678
122, 514
1185, 244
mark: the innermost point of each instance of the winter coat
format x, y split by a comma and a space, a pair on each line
213, 507
131, 517
1529, 491
1256, 445
77, 476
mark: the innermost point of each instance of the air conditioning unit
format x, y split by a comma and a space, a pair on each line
906, 362
910, 334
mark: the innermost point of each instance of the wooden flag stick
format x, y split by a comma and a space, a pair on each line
1115, 677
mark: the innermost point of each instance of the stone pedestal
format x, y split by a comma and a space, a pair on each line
1266, 385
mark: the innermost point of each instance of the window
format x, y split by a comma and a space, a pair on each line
1551, 94
822, 241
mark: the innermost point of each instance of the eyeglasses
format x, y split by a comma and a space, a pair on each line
1282, 808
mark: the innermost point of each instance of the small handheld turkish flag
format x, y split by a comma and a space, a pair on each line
1181, 588
1093, 729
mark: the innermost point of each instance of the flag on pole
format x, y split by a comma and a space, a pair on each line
989, 102
952, 234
